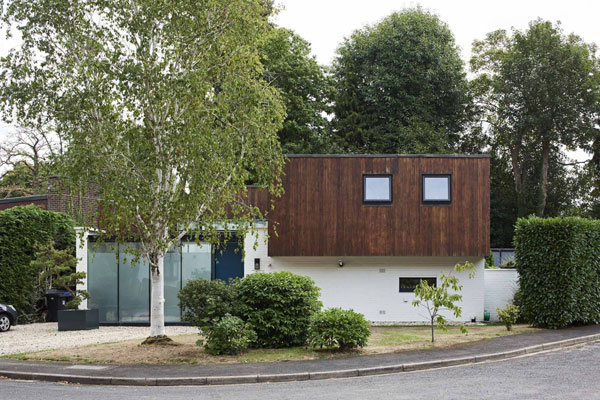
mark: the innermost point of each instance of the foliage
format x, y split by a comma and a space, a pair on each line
333, 327
489, 260
305, 89
531, 114
278, 306
442, 297
22, 231
508, 315
60, 267
162, 106
203, 301
558, 260
228, 335
401, 87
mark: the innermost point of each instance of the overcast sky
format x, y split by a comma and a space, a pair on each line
325, 23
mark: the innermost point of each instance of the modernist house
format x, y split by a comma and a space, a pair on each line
365, 228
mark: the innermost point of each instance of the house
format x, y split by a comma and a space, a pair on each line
365, 228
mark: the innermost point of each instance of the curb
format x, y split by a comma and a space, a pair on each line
301, 376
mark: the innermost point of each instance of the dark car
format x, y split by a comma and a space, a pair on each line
8, 317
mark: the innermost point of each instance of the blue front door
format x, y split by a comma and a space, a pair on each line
229, 263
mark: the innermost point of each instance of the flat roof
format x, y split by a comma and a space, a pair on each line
388, 155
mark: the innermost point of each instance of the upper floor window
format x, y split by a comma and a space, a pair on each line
377, 189
437, 189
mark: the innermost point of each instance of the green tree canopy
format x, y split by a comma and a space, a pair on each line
537, 90
162, 105
305, 89
401, 87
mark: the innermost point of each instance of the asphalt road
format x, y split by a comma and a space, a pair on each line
572, 373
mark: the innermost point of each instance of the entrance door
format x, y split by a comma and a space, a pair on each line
229, 263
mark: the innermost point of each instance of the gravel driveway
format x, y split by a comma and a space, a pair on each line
45, 336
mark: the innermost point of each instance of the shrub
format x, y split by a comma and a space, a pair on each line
508, 315
345, 329
22, 231
204, 302
278, 306
229, 335
558, 260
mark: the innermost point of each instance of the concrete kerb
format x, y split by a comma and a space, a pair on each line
302, 376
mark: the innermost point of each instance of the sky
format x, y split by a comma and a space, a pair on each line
325, 23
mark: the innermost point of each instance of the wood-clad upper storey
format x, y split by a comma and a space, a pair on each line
322, 212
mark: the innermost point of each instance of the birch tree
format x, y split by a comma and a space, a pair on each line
160, 104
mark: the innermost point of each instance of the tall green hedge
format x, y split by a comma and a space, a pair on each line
558, 260
21, 230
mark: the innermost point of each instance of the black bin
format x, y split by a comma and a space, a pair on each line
56, 300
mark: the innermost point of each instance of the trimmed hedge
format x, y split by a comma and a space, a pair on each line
278, 306
558, 260
205, 302
333, 327
22, 230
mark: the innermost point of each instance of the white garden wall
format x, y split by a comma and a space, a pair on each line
370, 285
500, 286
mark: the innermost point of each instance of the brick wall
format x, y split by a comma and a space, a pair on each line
83, 207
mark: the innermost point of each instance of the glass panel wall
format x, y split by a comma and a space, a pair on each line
196, 261
102, 280
172, 285
134, 287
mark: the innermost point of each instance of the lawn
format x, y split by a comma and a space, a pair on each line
388, 339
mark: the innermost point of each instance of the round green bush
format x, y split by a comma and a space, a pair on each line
333, 327
229, 335
204, 302
278, 306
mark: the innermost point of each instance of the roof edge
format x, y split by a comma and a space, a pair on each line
388, 155
24, 198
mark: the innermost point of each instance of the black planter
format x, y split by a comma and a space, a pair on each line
78, 320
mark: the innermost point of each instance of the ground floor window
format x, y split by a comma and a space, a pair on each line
409, 284
120, 289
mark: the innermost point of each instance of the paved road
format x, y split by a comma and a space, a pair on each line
572, 373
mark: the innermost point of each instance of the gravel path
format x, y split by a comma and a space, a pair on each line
45, 336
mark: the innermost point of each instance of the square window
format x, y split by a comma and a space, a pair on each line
377, 189
437, 189
408, 285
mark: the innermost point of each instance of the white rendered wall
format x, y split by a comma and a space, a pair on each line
370, 285
81, 251
500, 287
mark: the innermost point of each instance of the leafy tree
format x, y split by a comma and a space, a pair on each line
537, 89
401, 87
442, 297
162, 105
305, 89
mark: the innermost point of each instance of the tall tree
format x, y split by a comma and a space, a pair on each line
305, 88
538, 92
401, 87
163, 107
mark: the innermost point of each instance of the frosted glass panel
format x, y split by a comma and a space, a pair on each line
436, 188
196, 261
172, 285
102, 280
134, 288
377, 188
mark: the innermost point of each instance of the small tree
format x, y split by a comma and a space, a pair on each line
443, 297
58, 268
508, 315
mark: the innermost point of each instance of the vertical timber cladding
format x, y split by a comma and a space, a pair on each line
322, 211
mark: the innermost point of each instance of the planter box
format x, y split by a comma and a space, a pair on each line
78, 320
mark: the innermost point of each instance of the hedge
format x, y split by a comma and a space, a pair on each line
278, 306
22, 229
558, 260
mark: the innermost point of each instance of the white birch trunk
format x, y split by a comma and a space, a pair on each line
157, 298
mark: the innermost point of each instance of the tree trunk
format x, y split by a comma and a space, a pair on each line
543, 192
432, 337
157, 299
517, 169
